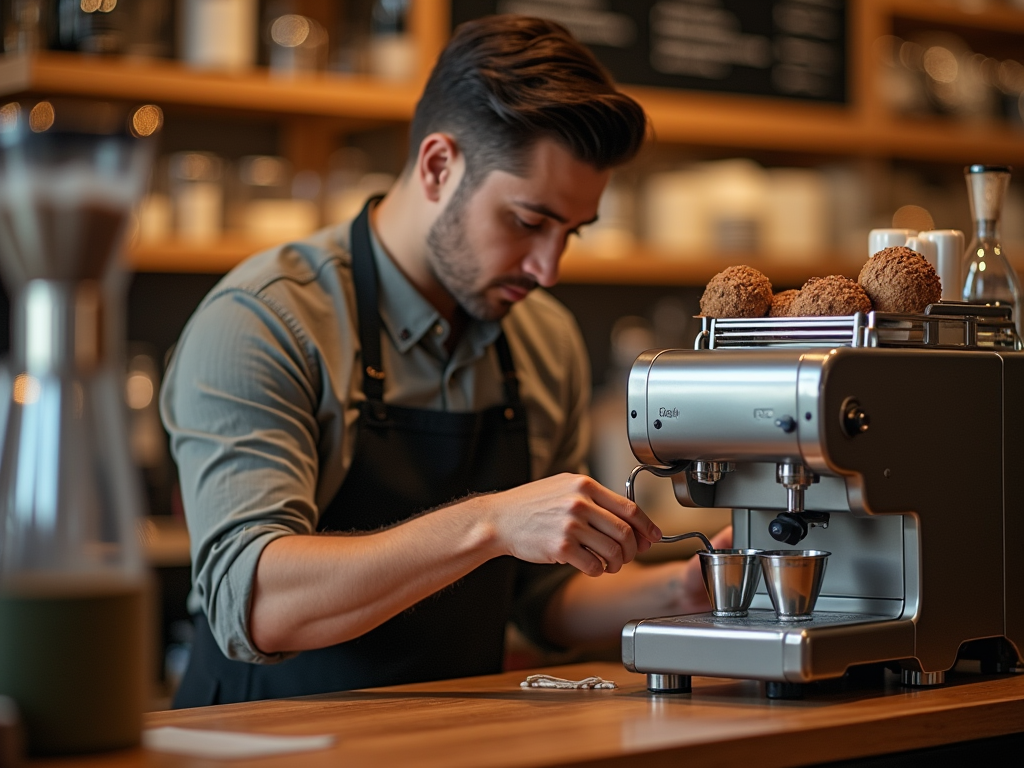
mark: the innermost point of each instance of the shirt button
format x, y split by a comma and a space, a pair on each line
404, 335
438, 329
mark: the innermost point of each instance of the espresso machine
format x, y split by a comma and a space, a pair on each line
895, 442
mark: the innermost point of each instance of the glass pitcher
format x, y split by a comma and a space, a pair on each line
988, 276
72, 581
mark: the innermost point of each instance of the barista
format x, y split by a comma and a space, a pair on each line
381, 430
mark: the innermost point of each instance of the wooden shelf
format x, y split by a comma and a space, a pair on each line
640, 266
996, 17
216, 257
694, 118
166, 82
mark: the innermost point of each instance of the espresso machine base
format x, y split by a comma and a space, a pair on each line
759, 646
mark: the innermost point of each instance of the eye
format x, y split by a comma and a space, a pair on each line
533, 227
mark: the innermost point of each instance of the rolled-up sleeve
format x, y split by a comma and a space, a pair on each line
239, 401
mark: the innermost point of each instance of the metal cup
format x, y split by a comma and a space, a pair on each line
793, 579
731, 577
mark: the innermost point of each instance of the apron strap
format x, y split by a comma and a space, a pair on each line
364, 275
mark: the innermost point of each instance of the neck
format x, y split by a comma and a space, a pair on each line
402, 225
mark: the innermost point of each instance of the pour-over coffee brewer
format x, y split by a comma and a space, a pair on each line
890, 441
72, 583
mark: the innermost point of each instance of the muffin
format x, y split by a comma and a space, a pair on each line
828, 296
737, 292
900, 280
782, 303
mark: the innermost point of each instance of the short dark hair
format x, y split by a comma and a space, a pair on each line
504, 82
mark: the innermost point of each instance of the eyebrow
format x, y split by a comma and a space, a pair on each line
543, 210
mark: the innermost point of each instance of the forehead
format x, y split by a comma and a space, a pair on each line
551, 176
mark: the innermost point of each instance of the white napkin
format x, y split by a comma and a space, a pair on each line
228, 745
549, 681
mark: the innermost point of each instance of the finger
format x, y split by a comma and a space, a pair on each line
586, 561
605, 547
625, 509
616, 528
604, 565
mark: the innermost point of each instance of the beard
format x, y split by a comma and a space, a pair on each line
458, 270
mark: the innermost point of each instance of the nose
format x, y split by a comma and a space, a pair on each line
541, 263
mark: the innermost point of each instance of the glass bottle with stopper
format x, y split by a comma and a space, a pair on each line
988, 276
72, 581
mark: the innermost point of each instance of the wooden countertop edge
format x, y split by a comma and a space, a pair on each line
490, 721
917, 730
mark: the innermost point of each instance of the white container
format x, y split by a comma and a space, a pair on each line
197, 189
879, 239
797, 221
948, 247
219, 34
675, 213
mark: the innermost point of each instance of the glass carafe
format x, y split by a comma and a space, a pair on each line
72, 582
988, 276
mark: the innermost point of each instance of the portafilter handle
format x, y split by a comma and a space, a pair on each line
661, 471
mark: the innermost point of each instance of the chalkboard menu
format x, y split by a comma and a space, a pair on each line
789, 48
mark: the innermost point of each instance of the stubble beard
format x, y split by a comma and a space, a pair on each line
455, 266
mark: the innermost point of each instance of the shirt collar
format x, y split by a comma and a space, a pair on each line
409, 317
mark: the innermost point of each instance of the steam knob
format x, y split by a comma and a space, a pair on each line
855, 418
787, 424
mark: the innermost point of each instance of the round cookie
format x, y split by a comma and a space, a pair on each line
830, 296
737, 292
900, 280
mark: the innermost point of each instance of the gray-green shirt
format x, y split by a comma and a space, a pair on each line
261, 402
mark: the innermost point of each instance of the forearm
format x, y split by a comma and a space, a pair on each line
316, 591
592, 612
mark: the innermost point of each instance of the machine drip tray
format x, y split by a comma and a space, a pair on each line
759, 646
757, 619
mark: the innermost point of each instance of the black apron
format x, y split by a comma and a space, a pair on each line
406, 461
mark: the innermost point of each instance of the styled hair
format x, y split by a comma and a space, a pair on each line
505, 82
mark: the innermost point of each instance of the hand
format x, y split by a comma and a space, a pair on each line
570, 519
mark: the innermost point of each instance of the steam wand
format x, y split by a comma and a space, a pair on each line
668, 471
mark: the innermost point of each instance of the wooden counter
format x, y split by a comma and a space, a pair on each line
491, 721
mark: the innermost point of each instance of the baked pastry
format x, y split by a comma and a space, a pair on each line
782, 303
900, 280
828, 296
737, 292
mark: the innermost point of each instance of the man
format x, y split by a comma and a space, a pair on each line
402, 363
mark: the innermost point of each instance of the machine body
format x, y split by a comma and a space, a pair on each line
905, 460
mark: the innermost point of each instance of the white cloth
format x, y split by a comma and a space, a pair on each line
549, 681
228, 745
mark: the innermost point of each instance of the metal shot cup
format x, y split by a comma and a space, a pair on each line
731, 577
793, 579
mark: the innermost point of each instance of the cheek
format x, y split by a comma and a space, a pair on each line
495, 248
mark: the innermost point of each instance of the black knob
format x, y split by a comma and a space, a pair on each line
786, 423
855, 418
787, 528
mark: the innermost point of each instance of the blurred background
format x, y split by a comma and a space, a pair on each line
783, 131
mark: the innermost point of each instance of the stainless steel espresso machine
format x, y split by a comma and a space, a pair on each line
895, 442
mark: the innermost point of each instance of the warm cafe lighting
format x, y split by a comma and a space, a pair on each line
290, 30
147, 120
41, 117
139, 391
9, 114
26, 389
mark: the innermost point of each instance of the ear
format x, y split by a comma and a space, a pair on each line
435, 165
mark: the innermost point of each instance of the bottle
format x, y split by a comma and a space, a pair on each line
988, 276
72, 583
392, 47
